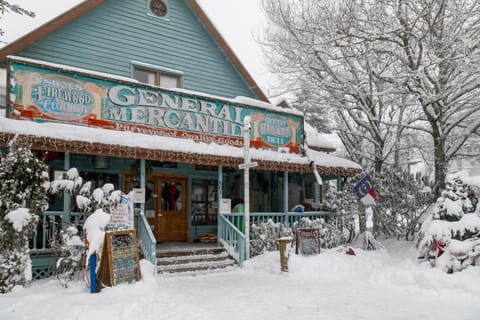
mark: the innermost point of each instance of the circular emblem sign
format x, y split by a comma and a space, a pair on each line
158, 8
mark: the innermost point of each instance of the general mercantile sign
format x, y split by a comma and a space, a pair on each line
48, 93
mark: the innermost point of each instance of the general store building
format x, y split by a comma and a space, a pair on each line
147, 94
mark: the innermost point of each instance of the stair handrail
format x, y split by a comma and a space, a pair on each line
232, 239
146, 240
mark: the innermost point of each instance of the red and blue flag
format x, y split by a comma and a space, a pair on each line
365, 191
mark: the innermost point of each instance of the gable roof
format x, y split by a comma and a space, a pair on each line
88, 5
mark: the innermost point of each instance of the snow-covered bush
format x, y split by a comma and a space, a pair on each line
70, 250
264, 236
330, 235
93, 204
400, 203
23, 185
451, 234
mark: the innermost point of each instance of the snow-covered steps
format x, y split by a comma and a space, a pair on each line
193, 260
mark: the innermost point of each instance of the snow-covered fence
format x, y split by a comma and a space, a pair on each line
267, 227
279, 217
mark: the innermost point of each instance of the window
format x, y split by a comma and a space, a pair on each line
204, 202
157, 77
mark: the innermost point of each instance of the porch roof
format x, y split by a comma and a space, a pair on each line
94, 141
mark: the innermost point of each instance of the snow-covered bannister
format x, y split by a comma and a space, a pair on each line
279, 217
146, 240
231, 238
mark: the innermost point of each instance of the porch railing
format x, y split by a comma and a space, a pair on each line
289, 218
231, 229
49, 227
146, 240
231, 238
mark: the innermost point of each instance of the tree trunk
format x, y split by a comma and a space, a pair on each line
378, 162
440, 164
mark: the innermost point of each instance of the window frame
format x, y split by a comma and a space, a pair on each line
158, 71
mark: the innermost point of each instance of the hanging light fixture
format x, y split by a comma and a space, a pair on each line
100, 162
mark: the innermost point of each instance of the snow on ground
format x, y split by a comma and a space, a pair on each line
371, 285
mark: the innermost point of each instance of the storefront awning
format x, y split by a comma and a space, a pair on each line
93, 141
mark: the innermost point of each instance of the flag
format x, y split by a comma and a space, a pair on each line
365, 191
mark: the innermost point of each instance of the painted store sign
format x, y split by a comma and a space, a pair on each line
40, 94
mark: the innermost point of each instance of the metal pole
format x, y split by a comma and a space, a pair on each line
246, 183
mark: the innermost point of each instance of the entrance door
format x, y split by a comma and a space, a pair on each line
165, 205
170, 208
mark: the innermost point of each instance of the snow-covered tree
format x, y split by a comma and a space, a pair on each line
6, 6
451, 235
23, 195
386, 66
436, 48
336, 74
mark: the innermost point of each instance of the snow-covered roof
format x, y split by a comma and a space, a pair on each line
66, 132
318, 141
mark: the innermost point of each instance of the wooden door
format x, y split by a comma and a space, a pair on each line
165, 205
171, 209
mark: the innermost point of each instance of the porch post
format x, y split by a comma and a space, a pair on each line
219, 199
142, 182
285, 196
66, 197
219, 187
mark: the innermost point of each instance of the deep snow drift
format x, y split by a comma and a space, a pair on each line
388, 284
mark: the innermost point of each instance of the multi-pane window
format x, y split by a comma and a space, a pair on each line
157, 78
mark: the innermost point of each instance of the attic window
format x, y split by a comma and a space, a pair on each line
158, 8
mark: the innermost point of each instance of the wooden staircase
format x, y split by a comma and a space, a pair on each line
194, 260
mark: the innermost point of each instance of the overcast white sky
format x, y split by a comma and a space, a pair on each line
237, 20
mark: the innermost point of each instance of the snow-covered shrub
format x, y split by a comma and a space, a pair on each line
264, 236
93, 204
23, 185
347, 206
330, 235
70, 250
451, 234
401, 201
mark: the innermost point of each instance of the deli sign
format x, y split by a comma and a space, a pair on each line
48, 93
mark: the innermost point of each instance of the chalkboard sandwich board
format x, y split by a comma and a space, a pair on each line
307, 241
119, 262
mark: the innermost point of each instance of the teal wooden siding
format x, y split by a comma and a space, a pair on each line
109, 37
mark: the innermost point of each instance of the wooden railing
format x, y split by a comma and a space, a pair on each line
289, 219
231, 238
146, 240
49, 228
231, 227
